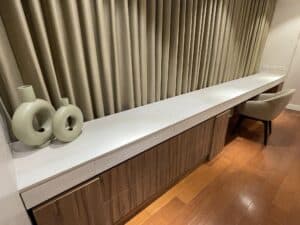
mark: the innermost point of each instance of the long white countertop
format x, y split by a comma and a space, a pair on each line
108, 141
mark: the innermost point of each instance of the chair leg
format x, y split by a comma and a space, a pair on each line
266, 133
270, 127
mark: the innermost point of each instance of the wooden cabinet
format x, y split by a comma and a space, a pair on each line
219, 133
121, 191
134, 183
82, 205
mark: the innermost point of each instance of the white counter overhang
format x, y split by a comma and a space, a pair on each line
105, 142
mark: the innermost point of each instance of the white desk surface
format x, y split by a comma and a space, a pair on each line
108, 141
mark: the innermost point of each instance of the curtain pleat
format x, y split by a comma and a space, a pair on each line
181, 47
171, 78
151, 26
187, 46
104, 52
59, 49
134, 35
158, 48
107, 56
166, 35
8, 65
91, 47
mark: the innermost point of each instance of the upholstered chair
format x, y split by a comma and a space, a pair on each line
265, 108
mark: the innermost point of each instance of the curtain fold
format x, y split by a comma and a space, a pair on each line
111, 55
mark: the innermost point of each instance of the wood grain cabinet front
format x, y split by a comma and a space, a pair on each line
133, 184
120, 192
82, 205
219, 133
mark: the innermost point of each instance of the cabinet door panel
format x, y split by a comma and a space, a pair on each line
207, 134
174, 158
149, 175
219, 134
163, 164
122, 190
80, 206
136, 172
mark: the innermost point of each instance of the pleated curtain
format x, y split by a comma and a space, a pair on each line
112, 55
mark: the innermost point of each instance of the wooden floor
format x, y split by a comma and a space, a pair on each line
246, 184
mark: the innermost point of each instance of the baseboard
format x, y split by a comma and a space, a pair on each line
293, 107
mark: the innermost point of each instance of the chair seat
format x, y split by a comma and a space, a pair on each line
266, 107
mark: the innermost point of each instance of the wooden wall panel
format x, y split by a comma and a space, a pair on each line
80, 206
219, 134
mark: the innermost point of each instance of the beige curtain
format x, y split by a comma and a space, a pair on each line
112, 55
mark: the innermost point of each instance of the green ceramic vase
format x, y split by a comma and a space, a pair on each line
32, 120
67, 122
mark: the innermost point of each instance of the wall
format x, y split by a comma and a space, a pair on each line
293, 80
12, 211
282, 50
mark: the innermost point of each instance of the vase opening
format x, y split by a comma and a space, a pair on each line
70, 123
41, 121
42, 129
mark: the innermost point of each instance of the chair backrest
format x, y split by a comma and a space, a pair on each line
279, 101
